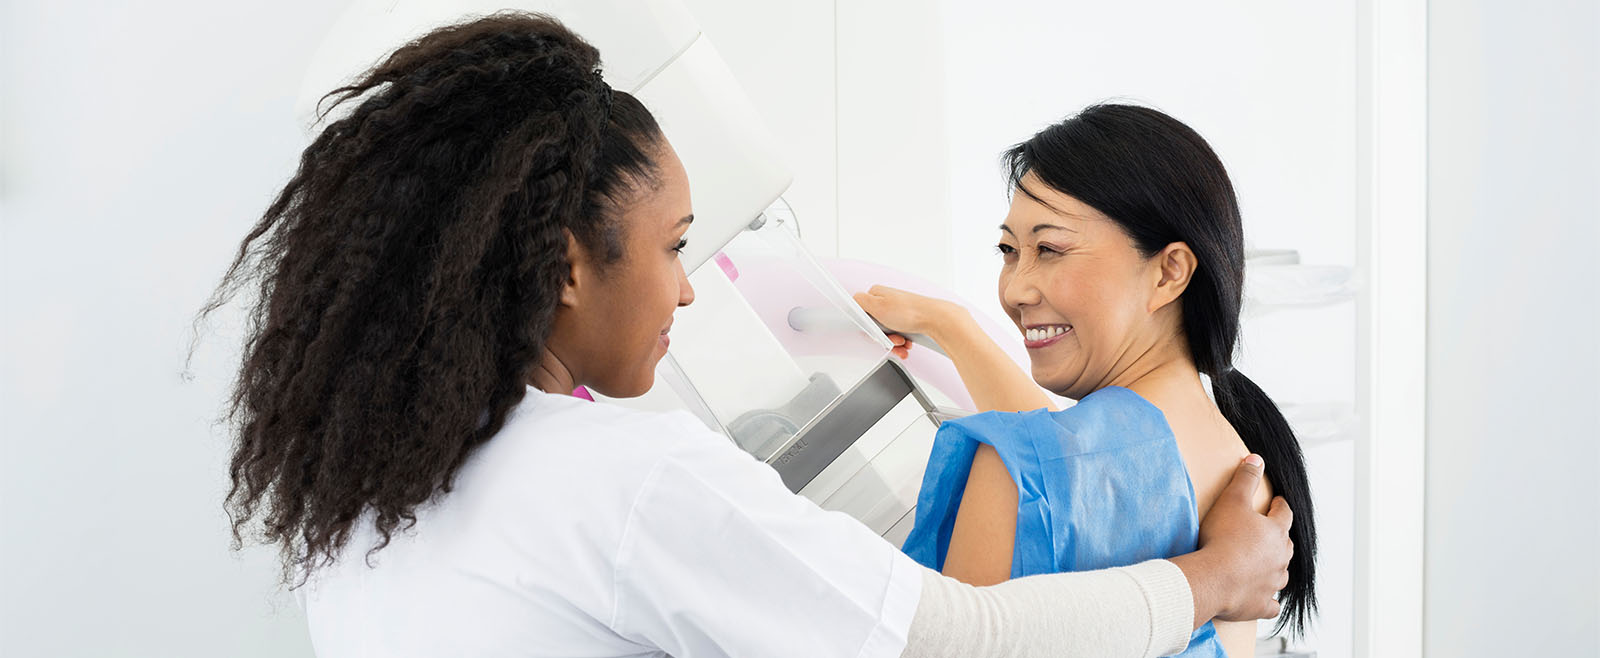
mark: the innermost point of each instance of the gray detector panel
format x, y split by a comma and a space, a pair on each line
840, 425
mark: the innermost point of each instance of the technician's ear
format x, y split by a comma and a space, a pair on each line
579, 273
1173, 269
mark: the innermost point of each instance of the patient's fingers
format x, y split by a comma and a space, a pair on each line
902, 345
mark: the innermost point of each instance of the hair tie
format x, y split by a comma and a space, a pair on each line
603, 90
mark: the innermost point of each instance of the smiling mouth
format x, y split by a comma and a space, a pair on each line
1044, 335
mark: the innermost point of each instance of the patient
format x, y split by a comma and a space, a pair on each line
1123, 263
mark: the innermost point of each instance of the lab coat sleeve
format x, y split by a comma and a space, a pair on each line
719, 559
1144, 610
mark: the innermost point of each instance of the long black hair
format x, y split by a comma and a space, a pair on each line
408, 274
1161, 183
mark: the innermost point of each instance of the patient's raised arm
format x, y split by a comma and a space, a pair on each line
995, 382
980, 550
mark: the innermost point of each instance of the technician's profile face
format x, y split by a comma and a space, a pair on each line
611, 328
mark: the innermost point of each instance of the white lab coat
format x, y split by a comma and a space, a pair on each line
584, 529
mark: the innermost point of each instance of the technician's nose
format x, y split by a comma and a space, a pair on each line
685, 289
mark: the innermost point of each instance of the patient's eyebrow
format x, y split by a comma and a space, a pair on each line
1039, 227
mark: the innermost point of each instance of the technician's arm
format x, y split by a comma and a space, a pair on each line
1148, 609
991, 377
1143, 610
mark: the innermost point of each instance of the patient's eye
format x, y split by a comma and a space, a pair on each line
1005, 250
681, 244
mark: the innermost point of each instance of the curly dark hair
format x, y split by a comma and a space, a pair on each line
410, 270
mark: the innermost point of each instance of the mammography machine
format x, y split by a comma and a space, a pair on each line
774, 353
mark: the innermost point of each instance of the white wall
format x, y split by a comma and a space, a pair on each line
140, 140
1513, 508
892, 136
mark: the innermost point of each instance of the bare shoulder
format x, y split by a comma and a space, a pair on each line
1238, 638
1212, 455
984, 535
1212, 451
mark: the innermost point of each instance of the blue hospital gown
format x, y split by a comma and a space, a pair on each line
1099, 485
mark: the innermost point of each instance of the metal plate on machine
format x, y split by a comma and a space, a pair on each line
837, 427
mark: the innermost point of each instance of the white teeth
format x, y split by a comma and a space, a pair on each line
1045, 333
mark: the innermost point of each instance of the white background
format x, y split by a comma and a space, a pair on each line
139, 141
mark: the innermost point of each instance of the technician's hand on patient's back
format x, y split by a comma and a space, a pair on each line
1248, 552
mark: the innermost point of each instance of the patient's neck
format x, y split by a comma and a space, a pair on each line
1172, 385
1164, 374
1167, 378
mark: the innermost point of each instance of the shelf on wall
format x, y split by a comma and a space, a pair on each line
1317, 423
1275, 279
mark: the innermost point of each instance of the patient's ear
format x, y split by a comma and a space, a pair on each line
1171, 270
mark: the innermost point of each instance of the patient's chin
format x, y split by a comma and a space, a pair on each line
1055, 382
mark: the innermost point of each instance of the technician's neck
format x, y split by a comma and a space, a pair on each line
551, 375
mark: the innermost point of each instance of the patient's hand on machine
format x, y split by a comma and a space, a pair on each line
995, 382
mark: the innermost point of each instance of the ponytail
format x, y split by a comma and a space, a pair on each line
1267, 433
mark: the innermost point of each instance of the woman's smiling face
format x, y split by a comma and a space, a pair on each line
1079, 289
